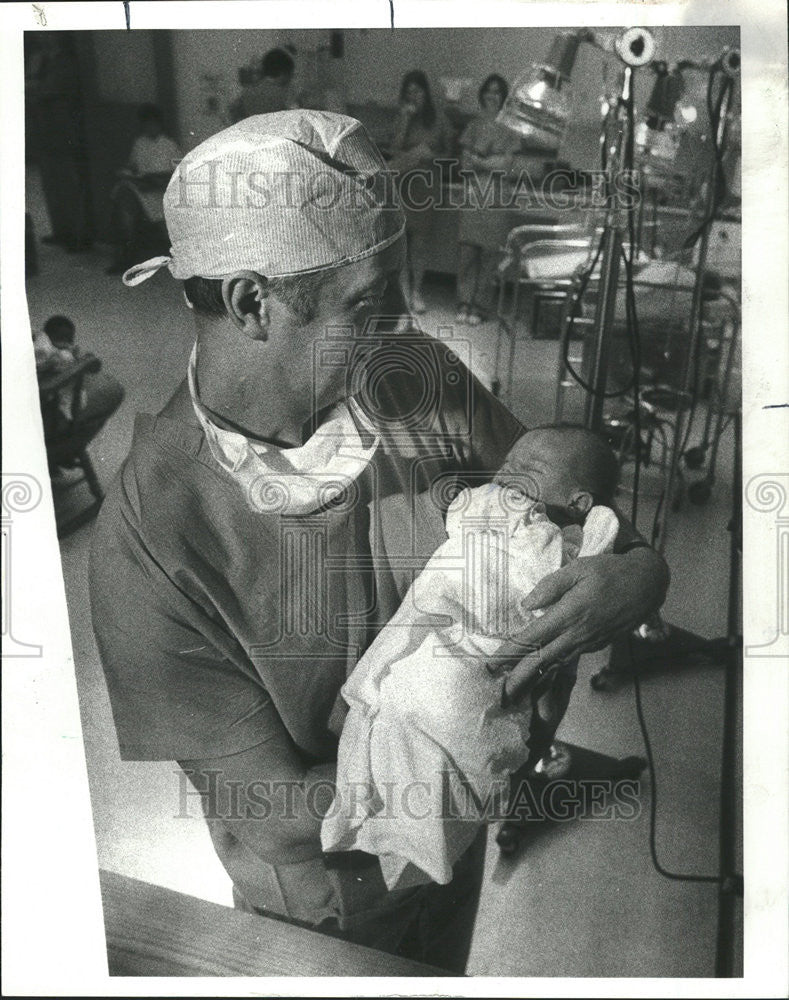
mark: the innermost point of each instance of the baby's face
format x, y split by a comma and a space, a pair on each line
536, 468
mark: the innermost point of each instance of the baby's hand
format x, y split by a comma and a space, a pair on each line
572, 540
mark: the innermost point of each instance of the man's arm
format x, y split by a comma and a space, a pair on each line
586, 603
177, 695
628, 537
267, 798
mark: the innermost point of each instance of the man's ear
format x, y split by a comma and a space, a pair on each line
581, 502
245, 295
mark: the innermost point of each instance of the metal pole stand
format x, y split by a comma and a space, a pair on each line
681, 649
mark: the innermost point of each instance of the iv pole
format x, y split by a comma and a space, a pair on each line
635, 47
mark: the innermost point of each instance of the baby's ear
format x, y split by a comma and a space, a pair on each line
581, 502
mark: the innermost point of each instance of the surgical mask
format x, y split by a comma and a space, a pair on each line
291, 480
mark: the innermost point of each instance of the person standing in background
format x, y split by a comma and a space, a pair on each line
137, 197
486, 147
421, 134
55, 133
270, 93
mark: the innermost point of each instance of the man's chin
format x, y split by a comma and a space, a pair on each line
328, 398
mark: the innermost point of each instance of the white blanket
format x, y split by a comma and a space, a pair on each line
426, 749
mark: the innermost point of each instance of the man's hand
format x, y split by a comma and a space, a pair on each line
586, 603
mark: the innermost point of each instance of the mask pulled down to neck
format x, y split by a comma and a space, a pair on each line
290, 481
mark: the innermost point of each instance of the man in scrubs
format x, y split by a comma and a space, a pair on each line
267, 522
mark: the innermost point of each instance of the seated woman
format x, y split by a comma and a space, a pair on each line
421, 134
486, 147
137, 197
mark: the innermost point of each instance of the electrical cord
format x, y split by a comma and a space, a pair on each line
630, 300
694, 394
586, 386
653, 537
719, 179
714, 109
575, 298
675, 876
736, 309
634, 342
579, 293
635, 348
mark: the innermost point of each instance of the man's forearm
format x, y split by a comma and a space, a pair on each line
648, 565
278, 817
628, 536
642, 557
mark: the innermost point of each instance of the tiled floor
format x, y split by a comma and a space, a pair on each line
581, 899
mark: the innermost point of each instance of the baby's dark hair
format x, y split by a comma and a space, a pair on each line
60, 328
598, 468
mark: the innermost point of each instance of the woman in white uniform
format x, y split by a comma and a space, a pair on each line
137, 197
486, 147
421, 135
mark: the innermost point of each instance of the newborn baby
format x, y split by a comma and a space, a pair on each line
428, 745
570, 469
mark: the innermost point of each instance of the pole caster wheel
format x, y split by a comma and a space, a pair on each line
633, 767
508, 838
601, 681
699, 493
694, 457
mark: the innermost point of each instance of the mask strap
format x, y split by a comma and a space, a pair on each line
142, 272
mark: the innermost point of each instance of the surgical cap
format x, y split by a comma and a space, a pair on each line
288, 193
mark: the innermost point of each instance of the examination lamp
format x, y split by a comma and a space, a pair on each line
538, 106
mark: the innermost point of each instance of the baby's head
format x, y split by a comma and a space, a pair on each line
568, 468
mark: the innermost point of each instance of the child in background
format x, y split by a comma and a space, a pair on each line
54, 346
55, 350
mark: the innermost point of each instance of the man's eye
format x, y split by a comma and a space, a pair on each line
369, 301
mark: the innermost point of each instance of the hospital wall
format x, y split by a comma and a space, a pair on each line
206, 67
